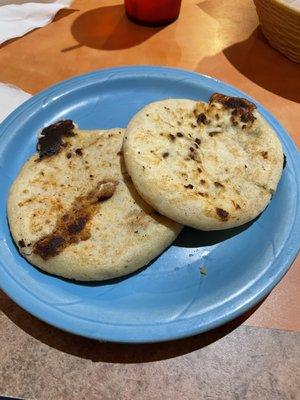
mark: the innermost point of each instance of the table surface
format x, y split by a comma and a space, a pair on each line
256, 356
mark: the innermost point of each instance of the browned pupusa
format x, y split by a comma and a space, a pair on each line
207, 165
73, 210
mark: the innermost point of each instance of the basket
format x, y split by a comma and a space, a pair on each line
280, 22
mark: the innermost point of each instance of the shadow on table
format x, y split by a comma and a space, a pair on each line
112, 352
265, 66
108, 28
64, 12
253, 57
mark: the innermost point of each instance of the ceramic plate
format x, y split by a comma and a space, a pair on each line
203, 280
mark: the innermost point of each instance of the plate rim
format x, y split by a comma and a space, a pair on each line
68, 324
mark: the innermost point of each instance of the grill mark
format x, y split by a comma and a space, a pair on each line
240, 107
218, 184
78, 225
201, 119
51, 141
222, 214
214, 133
21, 243
264, 154
236, 205
72, 226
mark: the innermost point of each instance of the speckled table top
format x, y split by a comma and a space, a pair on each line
232, 362
254, 357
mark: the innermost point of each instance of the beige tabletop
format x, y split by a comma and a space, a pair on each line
256, 356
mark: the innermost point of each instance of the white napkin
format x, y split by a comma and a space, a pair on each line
10, 98
18, 17
295, 3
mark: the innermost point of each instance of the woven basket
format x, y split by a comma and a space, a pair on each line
280, 23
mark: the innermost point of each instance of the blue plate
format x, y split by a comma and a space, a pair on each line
170, 298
